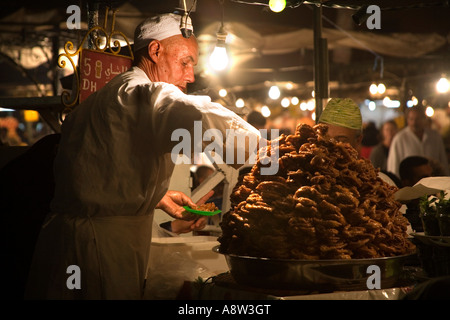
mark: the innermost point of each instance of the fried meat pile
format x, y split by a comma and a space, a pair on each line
207, 207
324, 203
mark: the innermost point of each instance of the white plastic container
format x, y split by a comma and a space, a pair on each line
195, 248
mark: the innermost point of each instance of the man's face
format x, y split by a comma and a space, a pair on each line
388, 131
419, 172
178, 57
416, 121
343, 134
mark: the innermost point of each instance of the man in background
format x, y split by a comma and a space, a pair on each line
344, 120
412, 170
416, 139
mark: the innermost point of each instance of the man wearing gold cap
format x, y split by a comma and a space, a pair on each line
344, 120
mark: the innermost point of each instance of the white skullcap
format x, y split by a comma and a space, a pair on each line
157, 28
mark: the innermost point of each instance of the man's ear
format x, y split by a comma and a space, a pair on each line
154, 50
359, 139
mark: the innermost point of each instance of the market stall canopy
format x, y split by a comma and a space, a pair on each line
264, 43
403, 45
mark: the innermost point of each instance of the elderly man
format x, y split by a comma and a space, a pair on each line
113, 168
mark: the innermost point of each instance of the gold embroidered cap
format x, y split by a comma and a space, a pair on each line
342, 112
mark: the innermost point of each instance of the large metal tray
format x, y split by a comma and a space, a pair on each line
314, 275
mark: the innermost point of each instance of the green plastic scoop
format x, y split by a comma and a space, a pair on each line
202, 213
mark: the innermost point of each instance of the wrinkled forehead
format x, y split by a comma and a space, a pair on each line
334, 130
344, 134
182, 47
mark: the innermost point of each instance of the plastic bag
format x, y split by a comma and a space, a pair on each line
167, 273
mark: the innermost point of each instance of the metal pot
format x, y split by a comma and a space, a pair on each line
315, 275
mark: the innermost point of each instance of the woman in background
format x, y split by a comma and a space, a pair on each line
380, 152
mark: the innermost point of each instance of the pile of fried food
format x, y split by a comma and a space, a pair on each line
209, 207
324, 203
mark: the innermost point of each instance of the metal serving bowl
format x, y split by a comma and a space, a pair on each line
315, 275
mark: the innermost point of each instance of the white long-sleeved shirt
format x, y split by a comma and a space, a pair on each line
113, 166
405, 143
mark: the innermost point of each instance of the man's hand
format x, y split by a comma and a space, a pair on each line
183, 226
173, 201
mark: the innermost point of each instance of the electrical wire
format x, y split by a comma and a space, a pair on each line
347, 5
378, 59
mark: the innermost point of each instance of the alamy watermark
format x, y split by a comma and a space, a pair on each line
374, 20
374, 280
74, 20
74, 280
240, 147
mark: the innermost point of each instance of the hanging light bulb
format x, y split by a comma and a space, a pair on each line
223, 93
294, 101
265, 111
277, 5
381, 88
240, 103
274, 92
442, 86
285, 102
219, 57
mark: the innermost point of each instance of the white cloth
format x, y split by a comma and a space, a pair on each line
160, 232
386, 179
406, 143
112, 168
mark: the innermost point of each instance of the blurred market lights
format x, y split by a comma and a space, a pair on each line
443, 85
274, 92
377, 89
240, 103
223, 93
285, 102
381, 88
265, 111
311, 105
